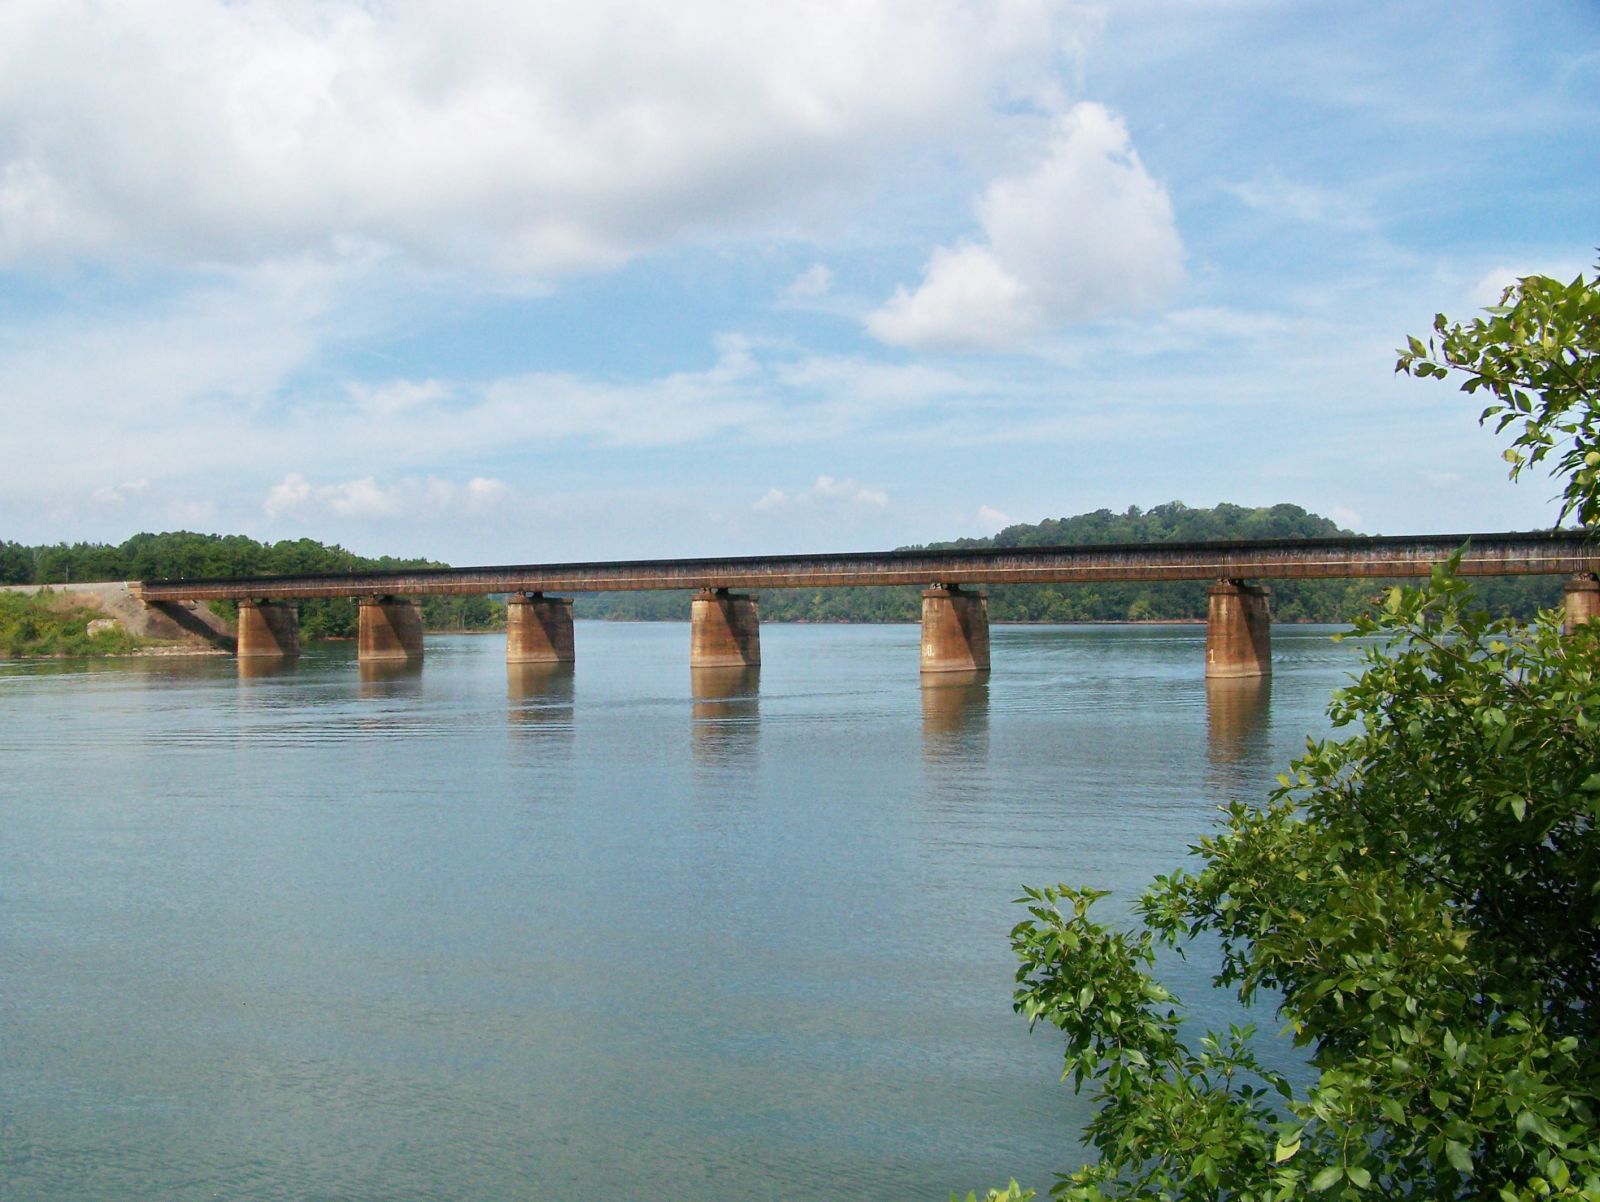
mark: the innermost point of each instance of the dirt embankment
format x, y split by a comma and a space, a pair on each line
176, 629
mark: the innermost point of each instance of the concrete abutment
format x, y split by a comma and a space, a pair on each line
724, 630
955, 630
539, 629
1238, 630
388, 629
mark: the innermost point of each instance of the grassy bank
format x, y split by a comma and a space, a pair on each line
47, 623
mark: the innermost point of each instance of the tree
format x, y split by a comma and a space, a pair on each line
1537, 356
1419, 902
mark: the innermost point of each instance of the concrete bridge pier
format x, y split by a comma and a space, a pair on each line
955, 630
389, 629
539, 629
268, 628
1238, 630
724, 630
1581, 598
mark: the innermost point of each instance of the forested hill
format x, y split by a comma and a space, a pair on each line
149, 556
1174, 522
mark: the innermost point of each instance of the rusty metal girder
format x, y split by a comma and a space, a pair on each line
1558, 552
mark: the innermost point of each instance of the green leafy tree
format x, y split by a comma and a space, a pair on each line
1419, 902
1536, 355
16, 564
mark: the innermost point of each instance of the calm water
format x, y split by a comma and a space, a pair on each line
465, 934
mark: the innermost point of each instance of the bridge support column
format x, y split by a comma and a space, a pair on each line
1581, 598
539, 629
268, 628
1238, 630
724, 630
955, 630
389, 629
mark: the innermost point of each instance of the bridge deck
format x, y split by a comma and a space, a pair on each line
1558, 552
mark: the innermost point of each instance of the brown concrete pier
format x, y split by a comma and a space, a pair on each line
539, 629
1581, 599
955, 630
389, 629
268, 628
1238, 630
724, 630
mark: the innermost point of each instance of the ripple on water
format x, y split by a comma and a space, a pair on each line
453, 934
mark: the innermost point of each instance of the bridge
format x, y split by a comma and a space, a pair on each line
725, 625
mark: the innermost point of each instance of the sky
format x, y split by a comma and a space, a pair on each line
500, 281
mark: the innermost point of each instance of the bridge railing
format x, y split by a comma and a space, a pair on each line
1556, 552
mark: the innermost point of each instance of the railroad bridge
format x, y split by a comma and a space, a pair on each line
725, 625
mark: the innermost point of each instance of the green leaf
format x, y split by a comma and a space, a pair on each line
1285, 1150
1458, 1156
1327, 1179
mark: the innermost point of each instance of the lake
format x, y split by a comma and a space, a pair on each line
471, 933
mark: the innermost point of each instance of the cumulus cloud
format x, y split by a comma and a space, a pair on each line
1084, 233
536, 137
826, 489
993, 519
295, 496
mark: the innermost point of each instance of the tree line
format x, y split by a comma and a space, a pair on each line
183, 553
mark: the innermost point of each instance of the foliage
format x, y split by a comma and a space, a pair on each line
1012, 1193
1537, 356
1420, 902
186, 554
46, 624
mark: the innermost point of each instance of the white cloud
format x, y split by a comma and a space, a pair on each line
529, 137
826, 489
1349, 519
1086, 232
295, 496
993, 519
811, 284
1304, 202
397, 396
116, 494
483, 492
1490, 286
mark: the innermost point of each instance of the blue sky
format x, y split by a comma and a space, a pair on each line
509, 282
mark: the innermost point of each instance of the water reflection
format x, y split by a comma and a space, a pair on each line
955, 715
540, 697
390, 677
727, 713
259, 667
1238, 742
